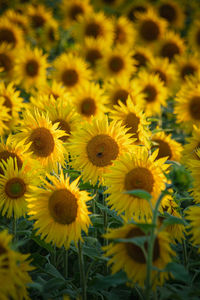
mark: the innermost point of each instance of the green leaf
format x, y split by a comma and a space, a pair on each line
103, 282
50, 269
42, 244
140, 194
171, 220
139, 240
179, 272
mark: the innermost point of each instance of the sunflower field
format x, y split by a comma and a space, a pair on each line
100, 150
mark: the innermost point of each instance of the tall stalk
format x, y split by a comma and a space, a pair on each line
82, 272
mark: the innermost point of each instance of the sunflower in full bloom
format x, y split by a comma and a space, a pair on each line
150, 27
134, 119
171, 46
172, 11
134, 171
193, 215
130, 257
124, 32
4, 117
166, 71
96, 145
10, 34
15, 187
12, 101
190, 148
95, 26
49, 35
38, 16
168, 205
155, 92
18, 19
134, 8
7, 57
44, 139
89, 101
167, 147
118, 62
142, 56
14, 268
71, 71
194, 35
71, 10
187, 65
30, 68
60, 210
187, 106
118, 89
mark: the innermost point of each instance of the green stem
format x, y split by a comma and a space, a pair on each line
151, 242
185, 256
65, 260
14, 229
82, 272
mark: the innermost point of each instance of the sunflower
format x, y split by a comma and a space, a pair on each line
43, 138
7, 57
30, 68
130, 258
187, 106
14, 268
124, 32
96, 145
71, 10
15, 187
155, 92
92, 51
134, 119
18, 19
150, 28
190, 148
187, 65
4, 117
60, 210
194, 35
38, 16
171, 46
118, 89
135, 170
172, 12
166, 71
118, 62
12, 101
89, 100
10, 34
194, 166
193, 215
71, 71
176, 231
132, 10
94, 25
49, 35
112, 4
142, 56
167, 147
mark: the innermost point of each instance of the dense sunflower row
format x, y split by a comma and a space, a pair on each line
93, 89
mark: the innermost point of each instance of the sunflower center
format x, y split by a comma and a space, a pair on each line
188, 70
194, 108
132, 122
63, 206
149, 31
6, 35
63, 126
135, 252
42, 142
116, 64
198, 38
37, 21
70, 77
168, 12
150, 92
136, 9
139, 178
141, 60
169, 50
101, 150
120, 95
120, 35
32, 68
2, 250
5, 62
93, 29
5, 155
88, 106
15, 188
75, 10
164, 149
93, 55
161, 75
